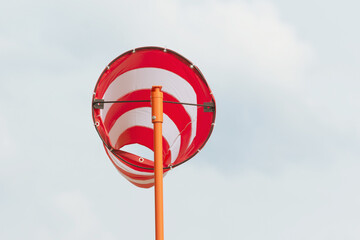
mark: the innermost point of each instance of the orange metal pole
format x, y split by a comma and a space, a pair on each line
157, 119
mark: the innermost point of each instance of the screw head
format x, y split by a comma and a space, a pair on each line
153, 117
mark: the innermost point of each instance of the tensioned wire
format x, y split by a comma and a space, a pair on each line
149, 168
190, 104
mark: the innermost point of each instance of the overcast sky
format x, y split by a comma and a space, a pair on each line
283, 160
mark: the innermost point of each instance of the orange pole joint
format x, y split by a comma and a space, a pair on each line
157, 104
157, 119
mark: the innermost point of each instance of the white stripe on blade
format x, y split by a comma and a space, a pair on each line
125, 167
130, 170
145, 78
142, 117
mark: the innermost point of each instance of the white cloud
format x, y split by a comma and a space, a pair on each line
227, 35
248, 36
7, 144
80, 217
303, 202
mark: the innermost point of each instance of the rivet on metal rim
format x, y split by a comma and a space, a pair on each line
153, 117
107, 67
133, 50
141, 159
97, 124
192, 66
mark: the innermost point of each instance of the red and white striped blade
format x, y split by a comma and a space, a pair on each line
130, 78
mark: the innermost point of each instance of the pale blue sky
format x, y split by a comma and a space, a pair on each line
283, 160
